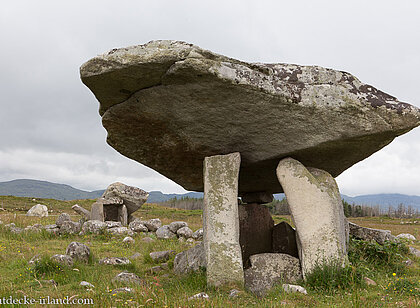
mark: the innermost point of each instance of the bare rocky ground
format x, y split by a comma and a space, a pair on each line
151, 281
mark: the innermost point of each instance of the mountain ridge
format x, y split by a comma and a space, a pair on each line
45, 189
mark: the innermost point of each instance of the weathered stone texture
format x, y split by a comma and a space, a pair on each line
190, 260
182, 103
284, 239
255, 230
221, 221
367, 234
132, 197
269, 268
317, 211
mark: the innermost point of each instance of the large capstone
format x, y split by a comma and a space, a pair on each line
169, 104
118, 194
220, 220
317, 211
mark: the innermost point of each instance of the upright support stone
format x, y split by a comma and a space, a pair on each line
317, 211
122, 215
97, 211
220, 220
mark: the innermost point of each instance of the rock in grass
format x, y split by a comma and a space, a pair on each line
128, 240
198, 235
63, 259
70, 227
147, 239
114, 261
62, 218
120, 231
190, 260
367, 234
94, 226
406, 236
176, 225
164, 233
369, 281
113, 224
128, 277
35, 259
201, 295
161, 256
291, 288
122, 290
137, 225
153, 224
38, 210
86, 284
269, 268
185, 232
414, 251
78, 251
234, 293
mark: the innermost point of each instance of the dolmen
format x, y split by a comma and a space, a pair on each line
118, 203
236, 129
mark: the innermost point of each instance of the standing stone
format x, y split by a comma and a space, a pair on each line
255, 230
97, 211
317, 211
122, 215
220, 220
284, 239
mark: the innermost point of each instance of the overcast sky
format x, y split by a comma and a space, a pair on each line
50, 128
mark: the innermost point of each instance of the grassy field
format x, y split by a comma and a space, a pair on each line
397, 285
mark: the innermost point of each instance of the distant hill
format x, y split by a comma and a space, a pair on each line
44, 189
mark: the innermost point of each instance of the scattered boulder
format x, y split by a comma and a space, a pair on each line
136, 255
113, 224
86, 284
147, 239
94, 226
161, 256
190, 260
198, 235
176, 225
62, 218
122, 290
34, 228
369, 281
38, 210
114, 261
368, 234
406, 236
184, 232
164, 233
153, 224
70, 227
269, 268
53, 226
120, 231
82, 211
255, 230
35, 259
78, 251
414, 251
138, 226
128, 278
63, 259
284, 239
291, 288
201, 295
128, 240
234, 293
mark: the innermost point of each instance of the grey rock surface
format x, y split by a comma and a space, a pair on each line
113, 224
86, 284
138, 225
185, 232
367, 234
38, 210
114, 261
70, 227
406, 236
269, 268
198, 234
175, 225
161, 256
190, 260
128, 278
414, 251
62, 218
153, 224
63, 259
292, 288
164, 233
182, 103
128, 240
78, 251
132, 197
119, 231
94, 226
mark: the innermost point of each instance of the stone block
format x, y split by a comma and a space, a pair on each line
284, 239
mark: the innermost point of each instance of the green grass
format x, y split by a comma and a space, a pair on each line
397, 285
